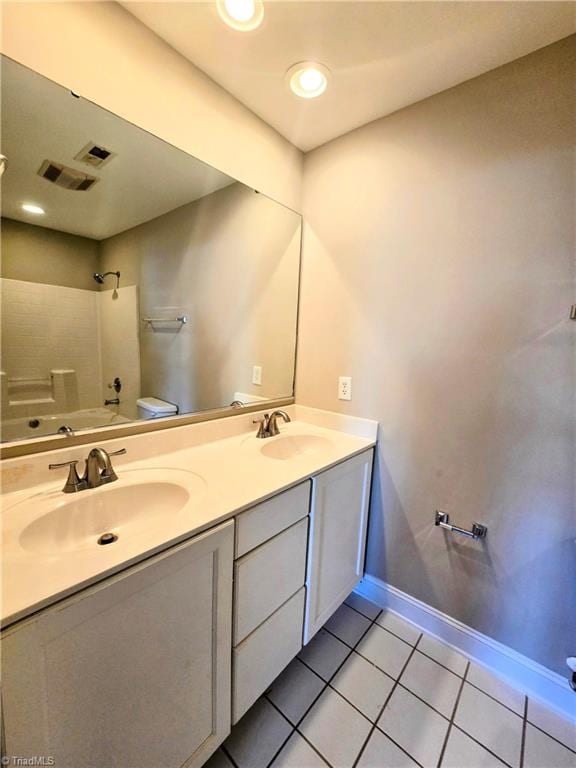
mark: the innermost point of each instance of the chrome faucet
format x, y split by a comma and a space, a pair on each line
273, 422
98, 470
269, 424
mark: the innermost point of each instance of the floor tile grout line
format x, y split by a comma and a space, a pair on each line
384, 610
350, 703
336, 671
451, 723
396, 744
380, 610
460, 677
317, 673
477, 687
443, 665
497, 700
353, 649
554, 738
373, 663
396, 681
328, 684
390, 677
523, 742
320, 693
294, 727
430, 706
376, 665
340, 639
292, 732
229, 756
320, 755
385, 629
374, 726
476, 741
391, 632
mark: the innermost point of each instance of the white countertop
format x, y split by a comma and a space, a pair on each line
229, 475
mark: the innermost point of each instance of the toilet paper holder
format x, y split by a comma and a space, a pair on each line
478, 531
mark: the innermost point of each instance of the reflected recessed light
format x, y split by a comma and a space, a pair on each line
242, 15
31, 208
308, 79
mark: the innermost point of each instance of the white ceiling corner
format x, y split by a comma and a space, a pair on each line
383, 55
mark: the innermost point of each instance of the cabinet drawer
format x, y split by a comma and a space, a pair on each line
257, 525
267, 576
258, 661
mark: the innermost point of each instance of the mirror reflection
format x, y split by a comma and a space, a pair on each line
137, 282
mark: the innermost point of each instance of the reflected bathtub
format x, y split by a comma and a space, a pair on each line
42, 426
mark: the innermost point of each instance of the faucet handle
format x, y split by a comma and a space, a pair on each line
263, 428
108, 474
73, 483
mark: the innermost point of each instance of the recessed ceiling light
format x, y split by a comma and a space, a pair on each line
243, 15
31, 208
308, 79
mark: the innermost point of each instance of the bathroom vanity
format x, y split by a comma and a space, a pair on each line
145, 651
141, 618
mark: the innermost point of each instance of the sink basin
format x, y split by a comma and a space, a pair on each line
293, 446
139, 500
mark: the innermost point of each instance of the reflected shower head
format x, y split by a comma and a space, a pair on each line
99, 277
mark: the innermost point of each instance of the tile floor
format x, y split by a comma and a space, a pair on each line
372, 691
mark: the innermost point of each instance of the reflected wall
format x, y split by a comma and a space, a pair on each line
194, 305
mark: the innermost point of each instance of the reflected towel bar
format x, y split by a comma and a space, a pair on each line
478, 531
182, 319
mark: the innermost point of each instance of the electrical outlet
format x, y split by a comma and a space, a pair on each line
257, 375
345, 388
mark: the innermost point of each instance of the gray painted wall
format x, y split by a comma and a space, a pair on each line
40, 255
438, 272
229, 261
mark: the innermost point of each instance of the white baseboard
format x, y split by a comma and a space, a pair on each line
537, 681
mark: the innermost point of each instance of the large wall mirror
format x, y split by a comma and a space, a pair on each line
137, 282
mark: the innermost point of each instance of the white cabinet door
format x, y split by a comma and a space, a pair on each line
133, 672
338, 520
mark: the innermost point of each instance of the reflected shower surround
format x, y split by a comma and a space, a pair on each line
160, 235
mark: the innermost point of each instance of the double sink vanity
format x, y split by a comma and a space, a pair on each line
142, 618
164, 556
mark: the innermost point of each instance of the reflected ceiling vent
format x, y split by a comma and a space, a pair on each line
94, 155
65, 177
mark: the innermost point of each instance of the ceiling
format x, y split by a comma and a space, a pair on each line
43, 121
383, 55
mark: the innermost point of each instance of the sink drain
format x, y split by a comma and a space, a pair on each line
107, 538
